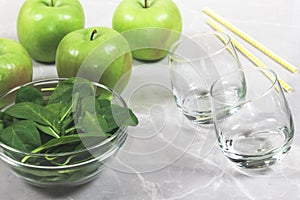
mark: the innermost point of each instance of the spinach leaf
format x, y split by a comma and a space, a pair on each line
34, 112
68, 88
104, 103
88, 120
103, 94
69, 139
21, 135
65, 112
47, 130
84, 88
55, 108
117, 116
91, 123
30, 94
124, 116
67, 127
62, 92
103, 123
5, 120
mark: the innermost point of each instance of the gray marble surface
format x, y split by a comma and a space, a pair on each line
166, 157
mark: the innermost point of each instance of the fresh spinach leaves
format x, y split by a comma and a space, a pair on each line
21, 135
30, 94
34, 112
70, 119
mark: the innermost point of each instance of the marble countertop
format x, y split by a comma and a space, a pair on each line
166, 157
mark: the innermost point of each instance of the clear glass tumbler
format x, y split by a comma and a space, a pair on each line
195, 63
259, 129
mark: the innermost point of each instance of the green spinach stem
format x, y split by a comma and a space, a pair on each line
70, 130
47, 89
66, 114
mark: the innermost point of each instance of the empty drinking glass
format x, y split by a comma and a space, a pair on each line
195, 63
258, 130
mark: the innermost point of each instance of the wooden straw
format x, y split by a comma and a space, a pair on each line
252, 41
251, 57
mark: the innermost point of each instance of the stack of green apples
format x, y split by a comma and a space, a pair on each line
53, 31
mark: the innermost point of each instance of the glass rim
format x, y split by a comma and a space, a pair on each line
257, 97
120, 132
173, 56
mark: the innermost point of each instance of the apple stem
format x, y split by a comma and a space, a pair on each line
93, 33
52, 3
146, 4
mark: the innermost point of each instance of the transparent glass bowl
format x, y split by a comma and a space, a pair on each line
44, 175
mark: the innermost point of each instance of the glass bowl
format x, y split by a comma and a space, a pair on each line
89, 161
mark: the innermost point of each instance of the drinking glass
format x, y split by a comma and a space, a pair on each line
259, 129
195, 63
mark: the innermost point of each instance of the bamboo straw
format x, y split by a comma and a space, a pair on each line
251, 57
252, 41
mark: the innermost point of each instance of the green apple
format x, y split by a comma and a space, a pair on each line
43, 23
150, 26
15, 65
99, 54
